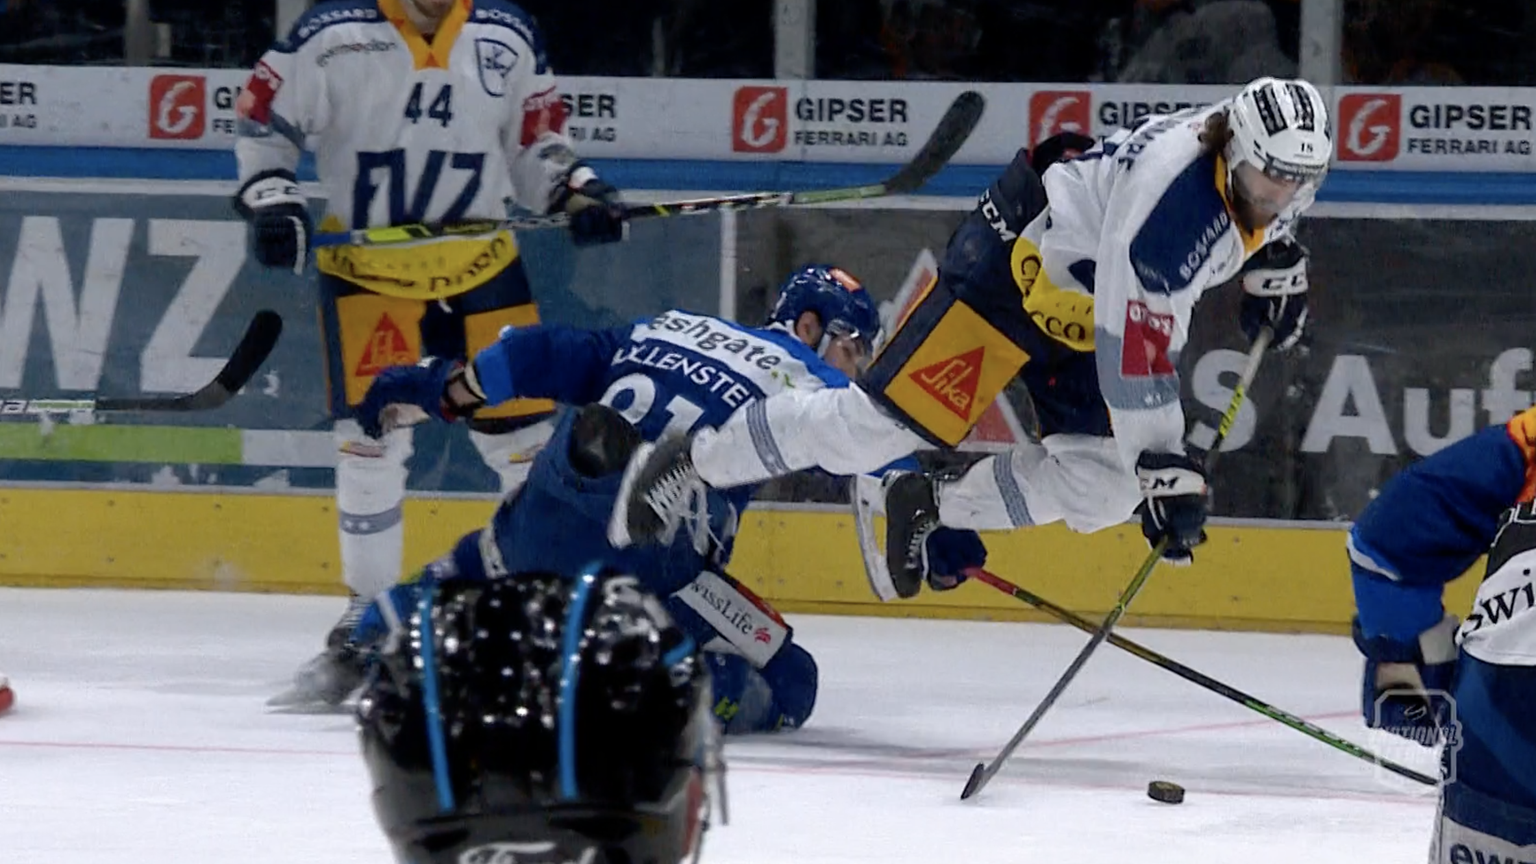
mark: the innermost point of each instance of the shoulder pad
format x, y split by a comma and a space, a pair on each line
1176, 239
511, 16
326, 15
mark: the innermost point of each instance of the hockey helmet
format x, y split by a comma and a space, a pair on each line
1281, 144
541, 719
838, 299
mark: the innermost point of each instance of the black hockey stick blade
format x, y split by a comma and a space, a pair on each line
973, 785
254, 348
954, 129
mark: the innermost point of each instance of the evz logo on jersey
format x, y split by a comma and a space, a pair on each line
495, 59
1370, 126
177, 106
760, 119
1148, 334
1052, 112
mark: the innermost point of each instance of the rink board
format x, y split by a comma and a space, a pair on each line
1251, 576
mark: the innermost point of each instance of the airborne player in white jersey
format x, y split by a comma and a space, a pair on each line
1083, 283
417, 111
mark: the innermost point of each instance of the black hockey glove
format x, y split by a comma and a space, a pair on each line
597, 215
1175, 503
280, 223
1275, 293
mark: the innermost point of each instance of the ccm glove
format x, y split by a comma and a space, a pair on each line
441, 389
597, 215
280, 223
1406, 689
952, 551
1275, 294
1175, 503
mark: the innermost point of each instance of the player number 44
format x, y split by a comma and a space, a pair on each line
440, 109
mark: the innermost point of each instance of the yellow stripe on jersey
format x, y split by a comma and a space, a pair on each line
427, 54
432, 270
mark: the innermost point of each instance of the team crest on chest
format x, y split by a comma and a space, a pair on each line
495, 60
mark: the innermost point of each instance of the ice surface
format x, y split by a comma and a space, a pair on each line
140, 737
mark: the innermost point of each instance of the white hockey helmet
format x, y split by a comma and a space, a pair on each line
1281, 127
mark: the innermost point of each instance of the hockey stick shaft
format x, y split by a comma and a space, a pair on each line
952, 131
1198, 678
983, 774
255, 346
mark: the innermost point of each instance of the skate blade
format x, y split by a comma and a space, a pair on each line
618, 522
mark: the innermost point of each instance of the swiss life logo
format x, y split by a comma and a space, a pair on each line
759, 119
1370, 127
178, 107
1052, 112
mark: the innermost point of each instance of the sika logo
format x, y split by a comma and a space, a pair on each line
759, 119
177, 106
1370, 124
953, 381
1052, 112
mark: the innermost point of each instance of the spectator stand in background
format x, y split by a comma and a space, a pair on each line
1202, 42
62, 32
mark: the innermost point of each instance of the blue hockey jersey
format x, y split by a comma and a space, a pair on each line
674, 373
1432, 521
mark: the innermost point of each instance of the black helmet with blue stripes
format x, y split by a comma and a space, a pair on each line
543, 720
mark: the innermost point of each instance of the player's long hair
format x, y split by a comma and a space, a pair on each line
1217, 133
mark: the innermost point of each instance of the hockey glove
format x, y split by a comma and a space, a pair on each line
597, 216
1175, 503
438, 388
952, 551
1275, 294
280, 223
1406, 689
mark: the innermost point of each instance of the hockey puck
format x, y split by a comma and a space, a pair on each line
1168, 793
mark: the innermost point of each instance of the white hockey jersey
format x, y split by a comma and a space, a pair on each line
1142, 224
406, 130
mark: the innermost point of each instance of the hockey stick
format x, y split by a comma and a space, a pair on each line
1198, 678
954, 128
257, 343
983, 774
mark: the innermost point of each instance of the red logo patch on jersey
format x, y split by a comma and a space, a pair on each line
178, 106
953, 381
255, 102
1371, 126
1052, 112
387, 347
759, 119
542, 112
1144, 353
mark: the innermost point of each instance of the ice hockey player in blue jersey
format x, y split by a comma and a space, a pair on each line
1081, 283
671, 374
1470, 685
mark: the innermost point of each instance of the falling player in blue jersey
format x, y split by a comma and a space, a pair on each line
671, 374
1470, 685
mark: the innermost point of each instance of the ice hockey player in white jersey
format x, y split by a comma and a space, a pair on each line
1467, 686
1084, 283
416, 111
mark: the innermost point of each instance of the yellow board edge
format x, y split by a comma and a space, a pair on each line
1248, 577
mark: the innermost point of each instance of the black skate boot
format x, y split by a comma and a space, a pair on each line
659, 489
325, 682
911, 515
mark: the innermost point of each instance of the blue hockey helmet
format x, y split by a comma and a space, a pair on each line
837, 298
